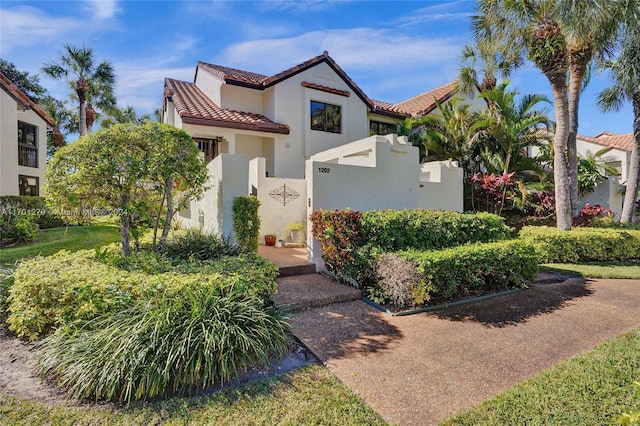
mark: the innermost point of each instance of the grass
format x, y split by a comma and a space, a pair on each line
309, 396
593, 388
622, 270
72, 238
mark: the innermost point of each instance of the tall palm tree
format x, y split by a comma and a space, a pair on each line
625, 79
88, 82
511, 127
119, 115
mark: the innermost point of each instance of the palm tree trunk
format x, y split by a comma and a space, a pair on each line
634, 168
560, 167
576, 77
83, 118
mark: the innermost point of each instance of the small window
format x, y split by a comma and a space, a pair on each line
326, 117
27, 145
381, 128
28, 185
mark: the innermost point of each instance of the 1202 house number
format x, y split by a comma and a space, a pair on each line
324, 170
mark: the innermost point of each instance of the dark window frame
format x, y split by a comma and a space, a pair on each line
23, 189
319, 113
27, 150
374, 127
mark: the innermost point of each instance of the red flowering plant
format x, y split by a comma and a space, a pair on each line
493, 192
589, 212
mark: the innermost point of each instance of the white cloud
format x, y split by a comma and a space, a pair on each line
102, 9
142, 88
27, 26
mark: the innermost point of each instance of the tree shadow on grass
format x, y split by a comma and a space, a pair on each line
516, 308
344, 330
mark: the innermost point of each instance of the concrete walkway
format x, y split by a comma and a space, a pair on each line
421, 369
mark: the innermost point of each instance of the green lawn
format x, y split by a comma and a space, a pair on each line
593, 388
52, 240
308, 396
597, 269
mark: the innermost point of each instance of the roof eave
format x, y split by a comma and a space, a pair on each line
275, 128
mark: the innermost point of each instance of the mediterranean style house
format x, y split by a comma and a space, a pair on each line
285, 118
619, 154
23, 142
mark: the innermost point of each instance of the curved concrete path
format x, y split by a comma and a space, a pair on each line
421, 369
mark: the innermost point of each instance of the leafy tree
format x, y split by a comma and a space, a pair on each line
510, 128
92, 85
625, 87
28, 83
119, 115
63, 119
176, 171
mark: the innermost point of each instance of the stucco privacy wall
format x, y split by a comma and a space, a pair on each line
607, 194
228, 178
10, 114
282, 200
441, 186
376, 173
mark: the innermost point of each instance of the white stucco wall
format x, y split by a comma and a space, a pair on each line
228, 178
441, 186
9, 169
607, 194
209, 84
613, 155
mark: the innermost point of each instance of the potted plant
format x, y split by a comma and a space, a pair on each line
270, 239
297, 231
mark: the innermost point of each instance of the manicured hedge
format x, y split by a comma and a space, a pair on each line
582, 244
53, 291
464, 271
340, 234
395, 230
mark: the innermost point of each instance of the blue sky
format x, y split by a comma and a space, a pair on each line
392, 49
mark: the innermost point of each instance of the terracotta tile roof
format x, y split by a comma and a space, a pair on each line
23, 99
194, 107
259, 81
623, 142
385, 108
424, 103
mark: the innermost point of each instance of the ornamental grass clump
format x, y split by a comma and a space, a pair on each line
169, 344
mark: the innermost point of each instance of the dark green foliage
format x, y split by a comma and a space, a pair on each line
172, 343
583, 244
467, 271
195, 244
340, 233
6, 281
24, 205
18, 229
53, 291
246, 222
394, 230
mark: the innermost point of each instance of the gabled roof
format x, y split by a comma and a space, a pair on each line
261, 82
425, 102
23, 99
194, 107
623, 142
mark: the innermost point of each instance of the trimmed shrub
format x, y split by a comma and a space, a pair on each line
246, 222
57, 290
173, 343
464, 271
23, 205
583, 244
18, 229
6, 281
396, 230
340, 234
195, 244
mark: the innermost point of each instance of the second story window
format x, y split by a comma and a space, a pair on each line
381, 128
27, 145
326, 117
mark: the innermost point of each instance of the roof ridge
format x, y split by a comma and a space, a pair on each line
22, 97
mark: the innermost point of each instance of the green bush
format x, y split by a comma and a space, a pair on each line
23, 205
172, 343
6, 281
18, 229
53, 291
395, 230
464, 271
195, 244
246, 222
583, 244
340, 234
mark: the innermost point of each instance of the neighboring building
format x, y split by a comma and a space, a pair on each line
23, 142
619, 156
285, 118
